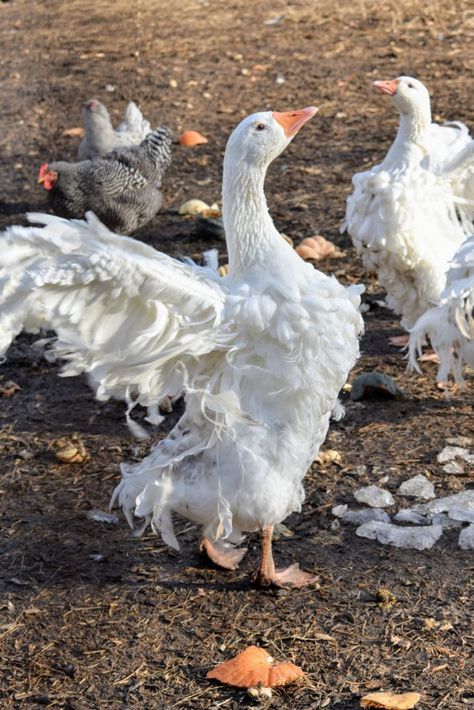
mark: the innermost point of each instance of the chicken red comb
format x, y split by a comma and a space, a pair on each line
43, 169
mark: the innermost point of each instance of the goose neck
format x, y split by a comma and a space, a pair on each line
248, 226
411, 142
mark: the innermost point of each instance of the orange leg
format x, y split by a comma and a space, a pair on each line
266, 574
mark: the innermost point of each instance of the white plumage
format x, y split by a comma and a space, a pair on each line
407, 216
134, 127
449, 326
100, 137
260, 354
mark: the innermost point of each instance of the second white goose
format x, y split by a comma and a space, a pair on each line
403, 215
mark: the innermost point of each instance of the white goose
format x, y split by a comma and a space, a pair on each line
261, 354
403, 215
449, 326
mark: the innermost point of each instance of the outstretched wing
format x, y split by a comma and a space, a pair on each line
460, 173
445, 141
133, 318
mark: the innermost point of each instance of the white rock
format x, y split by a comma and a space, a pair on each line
444, 520
420, 538
101, 516
417, 487
464, 514
407, 515
463, 500
453, 467
357, 517
450, 452
374, 496
466, 538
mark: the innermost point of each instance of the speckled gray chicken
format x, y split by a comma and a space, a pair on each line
123, 188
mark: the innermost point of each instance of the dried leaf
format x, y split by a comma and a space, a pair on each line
316, 248
385, 598
324, 637
253, 667
9, 388
70, 450
390, 701
329, 456
75, 132
193, 207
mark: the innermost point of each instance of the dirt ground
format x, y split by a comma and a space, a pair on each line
92, 617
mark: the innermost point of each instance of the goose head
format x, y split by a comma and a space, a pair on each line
252, 146
409, 95
261, 137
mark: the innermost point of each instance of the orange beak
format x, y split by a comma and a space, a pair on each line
292, 121
387, 87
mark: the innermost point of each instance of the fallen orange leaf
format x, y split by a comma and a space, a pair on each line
318, 248
390, 701
76, 132
252, 667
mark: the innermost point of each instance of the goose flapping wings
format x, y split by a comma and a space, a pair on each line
260, 355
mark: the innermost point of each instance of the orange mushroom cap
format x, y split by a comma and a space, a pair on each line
190, 138
252, 667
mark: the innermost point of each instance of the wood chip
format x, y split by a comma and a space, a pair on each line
390, 701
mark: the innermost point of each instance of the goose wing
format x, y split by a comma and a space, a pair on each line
133, 318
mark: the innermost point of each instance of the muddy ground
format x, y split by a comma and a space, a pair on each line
91, 617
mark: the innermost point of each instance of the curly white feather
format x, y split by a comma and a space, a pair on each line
449, 327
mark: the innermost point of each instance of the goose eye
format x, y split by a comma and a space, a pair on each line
260, 127
410, 85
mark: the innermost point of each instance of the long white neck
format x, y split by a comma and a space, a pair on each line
410, 145
249, 229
